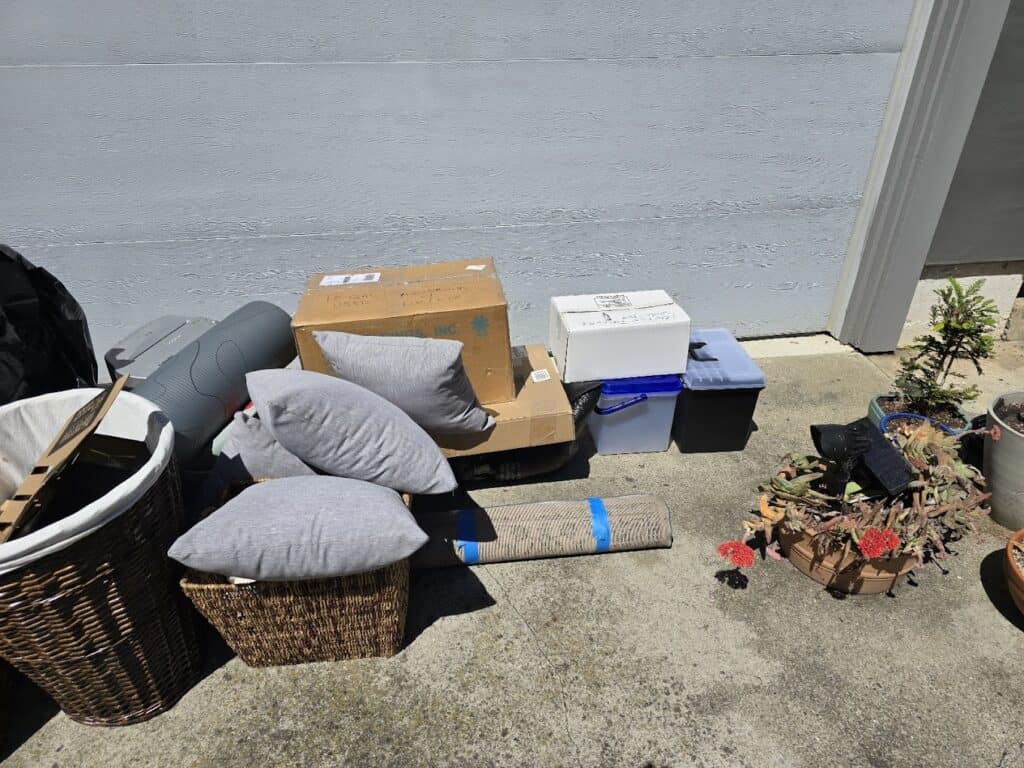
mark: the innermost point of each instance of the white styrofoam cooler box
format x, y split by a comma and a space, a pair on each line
618, 335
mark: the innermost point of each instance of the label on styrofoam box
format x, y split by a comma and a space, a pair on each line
350, 279
608, 319
603, 320
613, 301
540, 375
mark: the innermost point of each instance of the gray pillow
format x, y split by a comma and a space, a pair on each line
251, 453
342, 429
302, 528
423, 377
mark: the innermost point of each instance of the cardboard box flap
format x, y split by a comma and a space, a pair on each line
540, 415
612, 302
412, 273
400, 291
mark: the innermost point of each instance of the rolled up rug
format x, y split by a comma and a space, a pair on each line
542, 529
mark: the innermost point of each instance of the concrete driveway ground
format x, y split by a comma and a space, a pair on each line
634, 659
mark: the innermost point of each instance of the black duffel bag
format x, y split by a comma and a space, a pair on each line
44, 337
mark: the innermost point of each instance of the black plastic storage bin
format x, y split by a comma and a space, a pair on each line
720, 389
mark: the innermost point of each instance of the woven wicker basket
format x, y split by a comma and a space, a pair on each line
99, 625
5, 699
271, 623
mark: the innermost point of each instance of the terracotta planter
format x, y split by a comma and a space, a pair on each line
1014, 575
871, 577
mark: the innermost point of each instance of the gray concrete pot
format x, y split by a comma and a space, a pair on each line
1004, 468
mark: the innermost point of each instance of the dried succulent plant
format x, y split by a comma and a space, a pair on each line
940, 506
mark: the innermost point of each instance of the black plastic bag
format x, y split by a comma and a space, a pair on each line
44, 337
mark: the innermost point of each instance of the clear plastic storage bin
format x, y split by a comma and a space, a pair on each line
635, 415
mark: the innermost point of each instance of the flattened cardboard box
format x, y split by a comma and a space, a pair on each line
540, 414
460, 300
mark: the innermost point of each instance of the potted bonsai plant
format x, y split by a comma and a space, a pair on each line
962, 323
863, 542
1004, 459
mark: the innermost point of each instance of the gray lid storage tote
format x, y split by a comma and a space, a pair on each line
90, 609
720, 389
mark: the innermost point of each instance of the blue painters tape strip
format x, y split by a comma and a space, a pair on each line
465, 532
599, 525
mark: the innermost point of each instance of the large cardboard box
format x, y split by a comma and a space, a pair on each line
460, 300
540, 414
618, 335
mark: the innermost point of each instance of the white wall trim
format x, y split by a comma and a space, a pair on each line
939, 77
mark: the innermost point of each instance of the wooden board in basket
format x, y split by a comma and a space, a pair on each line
18, 513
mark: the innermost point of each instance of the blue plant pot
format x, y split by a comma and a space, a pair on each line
876, 414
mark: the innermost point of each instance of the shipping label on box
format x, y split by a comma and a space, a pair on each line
460, 300
618, 335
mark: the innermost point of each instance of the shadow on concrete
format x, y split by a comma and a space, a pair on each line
440, 592
28, 708
214, 653
733, 578
993, 579
451, 589
543, 464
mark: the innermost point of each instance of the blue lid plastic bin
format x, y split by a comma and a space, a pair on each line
642, 385
720, 390
635, 415
717, 361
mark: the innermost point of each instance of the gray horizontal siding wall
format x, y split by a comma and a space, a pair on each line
983, 217
187, 156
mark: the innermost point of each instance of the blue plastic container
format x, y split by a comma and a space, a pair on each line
720, 390
635, 415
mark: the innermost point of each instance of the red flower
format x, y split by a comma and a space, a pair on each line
737, 552
878, 541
